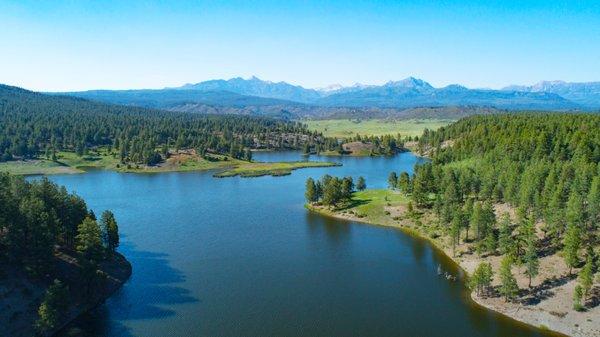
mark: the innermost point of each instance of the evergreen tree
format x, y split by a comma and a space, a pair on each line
393, 180
572, 243
577, 296
586, 278
347, 188
508, 288
505, 241
110, 231
311, 191
477, 221
532, 262
331, 191
456, 226
318, 190
89, 240
593, 202
482, 278
404, 182
361, 184
53, 307
468, 210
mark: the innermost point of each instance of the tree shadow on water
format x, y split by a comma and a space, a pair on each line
149, 294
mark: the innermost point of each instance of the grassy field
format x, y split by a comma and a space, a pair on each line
32, 167
69, 162
345, 128
274, 169
368, 206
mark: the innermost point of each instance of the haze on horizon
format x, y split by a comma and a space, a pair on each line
81, 45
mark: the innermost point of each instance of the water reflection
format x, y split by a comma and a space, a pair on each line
149, 294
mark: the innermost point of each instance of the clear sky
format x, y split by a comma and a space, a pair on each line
77, 45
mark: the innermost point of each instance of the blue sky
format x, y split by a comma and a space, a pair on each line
76, 45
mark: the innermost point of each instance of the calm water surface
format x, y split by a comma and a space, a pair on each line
242, 257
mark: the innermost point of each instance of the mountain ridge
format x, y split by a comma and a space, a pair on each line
406, 93
583, 93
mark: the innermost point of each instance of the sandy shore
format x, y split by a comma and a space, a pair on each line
551, 307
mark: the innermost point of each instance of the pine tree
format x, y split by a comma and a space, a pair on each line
532, 262
404, 182
586, 277
455, 227
361, 184
89, 240
110, 231
482, 278
53, 307
572, 242
468, 211
311, 191
331, 190
393, 180
593, 202
577, 296
477, 221
508, 288
347, 188
505, 241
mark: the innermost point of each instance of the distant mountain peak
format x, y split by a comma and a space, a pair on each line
410, 82
586, 94
455, 87
331, 87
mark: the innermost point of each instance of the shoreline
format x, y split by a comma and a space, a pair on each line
22, 296
534, 317
117, 273
224, 168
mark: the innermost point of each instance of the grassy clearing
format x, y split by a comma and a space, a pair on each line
346, 128
254, 169
69, 162
34, 167
377, 206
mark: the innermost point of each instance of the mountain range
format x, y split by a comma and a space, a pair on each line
256, 96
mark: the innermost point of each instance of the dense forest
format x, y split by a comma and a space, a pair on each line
38, 220
545, 166
35, 124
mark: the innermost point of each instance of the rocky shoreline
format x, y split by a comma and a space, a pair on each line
553, 314
21, 297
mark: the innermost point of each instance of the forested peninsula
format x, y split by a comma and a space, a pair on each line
57, 259
45, 134
513, 199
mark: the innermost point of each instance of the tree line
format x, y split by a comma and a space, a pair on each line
331, 190
35, 124
546, 166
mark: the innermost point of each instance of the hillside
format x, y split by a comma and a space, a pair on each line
37, 124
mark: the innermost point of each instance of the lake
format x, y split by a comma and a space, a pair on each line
243, 257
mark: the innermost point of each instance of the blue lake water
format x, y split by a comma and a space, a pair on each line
242, 257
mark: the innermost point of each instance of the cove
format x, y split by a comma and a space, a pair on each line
243, 257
